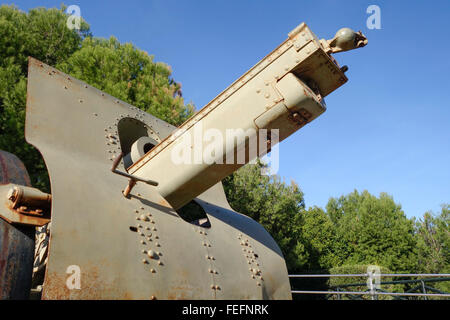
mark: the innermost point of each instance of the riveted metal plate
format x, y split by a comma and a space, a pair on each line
136, 248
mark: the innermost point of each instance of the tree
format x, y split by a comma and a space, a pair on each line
129, 74
433, 232
43, 34
373, 230
272, 203
321, 240
121, 70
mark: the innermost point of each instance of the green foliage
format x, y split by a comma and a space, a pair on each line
129, 74
41, 33
433, 234
119, 69
373, 231
321, 240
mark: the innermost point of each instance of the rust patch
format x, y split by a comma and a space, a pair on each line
164, 203
93, 287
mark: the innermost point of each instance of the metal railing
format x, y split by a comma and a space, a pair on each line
374, 288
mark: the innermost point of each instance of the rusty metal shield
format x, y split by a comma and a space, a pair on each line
136, 247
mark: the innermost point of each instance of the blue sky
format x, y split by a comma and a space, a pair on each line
385, 130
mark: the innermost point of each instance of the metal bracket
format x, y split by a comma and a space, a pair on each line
133, 179
25, 205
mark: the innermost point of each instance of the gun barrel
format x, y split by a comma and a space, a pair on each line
275, 98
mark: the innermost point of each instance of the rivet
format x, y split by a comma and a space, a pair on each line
154, 229
267, 95
160, 262
158, 245
217, 288
144, 251
152, 270
144, 261
151, 254
152, 298
144, 217
142, 242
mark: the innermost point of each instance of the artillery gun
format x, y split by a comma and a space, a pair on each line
118, 192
